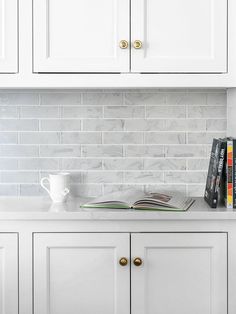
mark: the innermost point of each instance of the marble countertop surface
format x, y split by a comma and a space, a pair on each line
38, 208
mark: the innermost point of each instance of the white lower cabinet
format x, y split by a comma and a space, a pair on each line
181, 273
8, 273
80, 273
170, 273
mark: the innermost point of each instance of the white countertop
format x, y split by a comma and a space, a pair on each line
35, 208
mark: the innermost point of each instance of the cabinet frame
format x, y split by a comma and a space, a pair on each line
27, 79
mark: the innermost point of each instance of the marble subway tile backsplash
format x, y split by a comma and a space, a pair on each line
156, 140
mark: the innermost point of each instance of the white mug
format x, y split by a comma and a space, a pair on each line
58, 186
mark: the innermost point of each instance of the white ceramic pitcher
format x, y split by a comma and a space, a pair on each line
58, 186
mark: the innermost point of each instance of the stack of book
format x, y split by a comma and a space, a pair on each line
221, 178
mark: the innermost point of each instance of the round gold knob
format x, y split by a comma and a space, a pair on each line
137, 261
138, 44
124, 44
123, 261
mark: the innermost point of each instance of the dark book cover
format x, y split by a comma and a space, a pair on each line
215, 170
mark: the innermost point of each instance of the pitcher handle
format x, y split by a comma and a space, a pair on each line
42, 184
65, 192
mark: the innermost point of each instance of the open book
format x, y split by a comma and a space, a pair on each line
141, 201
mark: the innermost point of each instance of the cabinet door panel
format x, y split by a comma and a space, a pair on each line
80, 35
8, 36
180, 35
181, 274
8, 273
80, 273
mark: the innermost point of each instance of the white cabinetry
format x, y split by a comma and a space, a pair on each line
80, 35
181, 273
179, 35
170, 273
176, 36
8, 273
8, 36
80, 273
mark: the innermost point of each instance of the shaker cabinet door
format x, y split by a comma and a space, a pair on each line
80, 273
8, 273
188, 36
8, 36
81, 35
181, 273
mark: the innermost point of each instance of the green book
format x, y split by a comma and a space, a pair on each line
141, 201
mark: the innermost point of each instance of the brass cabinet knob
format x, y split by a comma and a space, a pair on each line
124, 44
137, 261
123, 261
137, 44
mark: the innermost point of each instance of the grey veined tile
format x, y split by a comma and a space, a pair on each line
165, 112
19, 177
102, 151
8, 138
165, 138
63, 98
81, 164
123, 138
185, 151
103, 99
124, 112
143, 177
19, 125
8, 112
60, 125
207, 112
123, 164
39, 112
103, 125
60, 150
39, 137
82, 112
81, 138
19, 150
19, 98
38, 164
144, 150
164, 164
145, 98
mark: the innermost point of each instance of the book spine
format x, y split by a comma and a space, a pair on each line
220, 169
234, 173
229, 182
210, 195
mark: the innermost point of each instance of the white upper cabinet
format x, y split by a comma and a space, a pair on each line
8, 273
188, 36
8, 36
80, 273
81, 35
181, 273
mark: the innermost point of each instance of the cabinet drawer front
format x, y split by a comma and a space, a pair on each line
81, 35
8, 273
80, 273
8, 36
181, 273
188, 36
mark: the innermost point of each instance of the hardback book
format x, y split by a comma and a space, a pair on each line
142, 201
229, 175
215, 170
234, 173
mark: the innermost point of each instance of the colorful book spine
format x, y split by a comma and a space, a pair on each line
229, 175
234, 173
